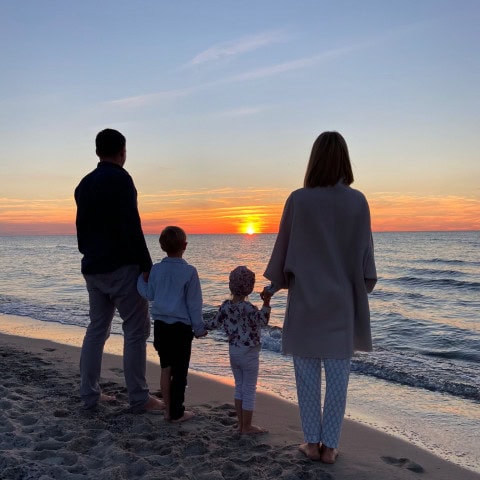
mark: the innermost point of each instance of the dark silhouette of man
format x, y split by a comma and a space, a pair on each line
111, 239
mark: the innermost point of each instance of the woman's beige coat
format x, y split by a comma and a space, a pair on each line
323, 254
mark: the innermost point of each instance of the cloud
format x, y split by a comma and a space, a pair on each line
263, 72
402, 211
242, 112
220, 210
229, 209
236, 47
216, 197
293, 65
141, 100
36, 216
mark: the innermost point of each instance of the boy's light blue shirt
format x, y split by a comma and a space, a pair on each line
174, 289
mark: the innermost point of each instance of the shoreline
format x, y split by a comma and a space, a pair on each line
207, 440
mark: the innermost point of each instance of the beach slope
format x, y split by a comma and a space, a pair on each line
44, 433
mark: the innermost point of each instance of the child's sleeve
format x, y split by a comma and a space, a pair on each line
262, 316
142, 286
147, 289
217, 320
258, 318
195, 304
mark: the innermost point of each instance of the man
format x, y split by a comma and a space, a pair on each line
110, 237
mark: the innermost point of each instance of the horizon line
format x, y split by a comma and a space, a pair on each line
236, 233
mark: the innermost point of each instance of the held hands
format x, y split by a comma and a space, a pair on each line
266, 294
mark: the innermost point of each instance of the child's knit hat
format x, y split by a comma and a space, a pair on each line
242, 281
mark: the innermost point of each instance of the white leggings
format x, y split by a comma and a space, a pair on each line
308, 374
244, 362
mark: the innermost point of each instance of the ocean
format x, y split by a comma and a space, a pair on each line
421, 382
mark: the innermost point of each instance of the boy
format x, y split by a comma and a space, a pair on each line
174, 290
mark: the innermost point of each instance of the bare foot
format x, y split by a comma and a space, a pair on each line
107, 398
328, 454
252, 430
154, 405
310, 450
187, 415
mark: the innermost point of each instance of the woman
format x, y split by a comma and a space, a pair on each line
323, 255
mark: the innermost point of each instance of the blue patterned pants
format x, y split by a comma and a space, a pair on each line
316, 427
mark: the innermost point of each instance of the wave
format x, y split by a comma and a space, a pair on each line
447, 261
413, 371
453, 355
384, 295
438, 282
422, 359
396, 332
454, 371
435, 271
68, 314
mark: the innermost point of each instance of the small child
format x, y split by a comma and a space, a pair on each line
174, 289
242, 322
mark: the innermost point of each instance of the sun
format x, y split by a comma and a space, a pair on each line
250, 225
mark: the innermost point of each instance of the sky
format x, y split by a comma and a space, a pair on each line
221, 101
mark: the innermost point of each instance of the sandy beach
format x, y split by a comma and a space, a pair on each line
45, 434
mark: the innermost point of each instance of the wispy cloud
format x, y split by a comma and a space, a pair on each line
395, 211
141, 100
263, 72
242, 112
27, 211
213, 210
236, 47
223, 195
250, 43
293, 65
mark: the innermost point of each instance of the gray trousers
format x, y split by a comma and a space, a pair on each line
107, 292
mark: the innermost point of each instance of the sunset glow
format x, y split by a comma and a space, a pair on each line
389, 212
397, 212
220, 125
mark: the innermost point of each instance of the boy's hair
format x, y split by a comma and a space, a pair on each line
172, 239
329, 162
109, 143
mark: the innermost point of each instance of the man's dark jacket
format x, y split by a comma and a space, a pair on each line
109, 230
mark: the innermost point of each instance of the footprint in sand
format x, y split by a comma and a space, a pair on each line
49, 349
28, 420
404, 463
118, 371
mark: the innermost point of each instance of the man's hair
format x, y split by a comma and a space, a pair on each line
329, 162
109, 143
172, 239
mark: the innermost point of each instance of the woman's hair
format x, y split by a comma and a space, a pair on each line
172, 239
329, 162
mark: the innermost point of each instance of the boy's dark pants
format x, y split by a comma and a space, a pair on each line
173, 343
